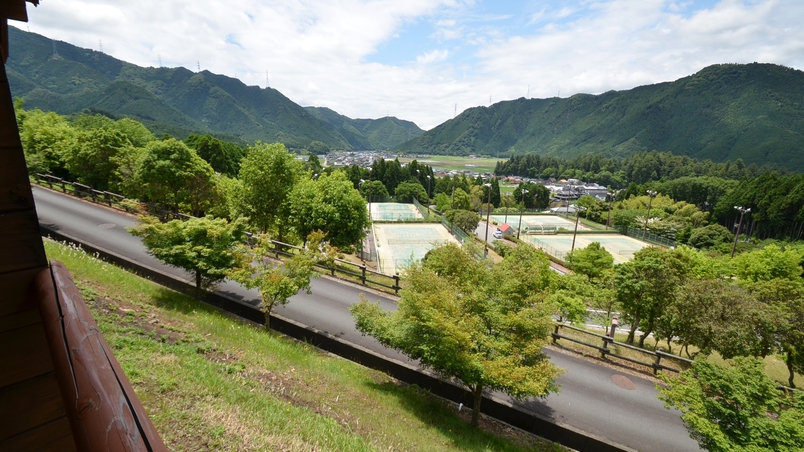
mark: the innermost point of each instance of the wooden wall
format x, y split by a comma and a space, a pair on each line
32, 414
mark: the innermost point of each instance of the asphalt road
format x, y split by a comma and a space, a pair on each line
593, 398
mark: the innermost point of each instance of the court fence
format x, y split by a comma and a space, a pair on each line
547, 248
649, 237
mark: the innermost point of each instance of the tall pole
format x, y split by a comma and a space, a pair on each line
369, 198
519, 228
488, 213
577, 216
454, 179
507, 201
428, 196
651, 194
611, 201
743, 211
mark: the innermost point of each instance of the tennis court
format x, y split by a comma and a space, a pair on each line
621, 247
393, 211
538, 222
400, 244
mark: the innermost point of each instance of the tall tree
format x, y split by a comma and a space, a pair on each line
93, 157
278, 281
268, 173
171, 173
329, 204
202, 246
735, 407
482, 325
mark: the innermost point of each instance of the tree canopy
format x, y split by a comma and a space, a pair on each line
202, 246
480, 324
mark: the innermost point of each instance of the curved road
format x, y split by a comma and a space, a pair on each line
593, 398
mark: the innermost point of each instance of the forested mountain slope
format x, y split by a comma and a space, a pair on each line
57, 76
724, 112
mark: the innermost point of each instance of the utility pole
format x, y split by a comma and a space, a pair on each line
651, 194
743, 211
488, 214
519, 227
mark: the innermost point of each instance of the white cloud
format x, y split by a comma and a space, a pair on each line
320, 52
431, 57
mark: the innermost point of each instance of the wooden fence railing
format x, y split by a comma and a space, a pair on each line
108, 198
104, 412
606, 352
345, 267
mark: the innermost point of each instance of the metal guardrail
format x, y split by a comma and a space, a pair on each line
605, 352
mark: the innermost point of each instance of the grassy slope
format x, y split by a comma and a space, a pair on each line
210, 382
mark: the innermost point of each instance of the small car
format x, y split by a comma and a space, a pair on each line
498, 234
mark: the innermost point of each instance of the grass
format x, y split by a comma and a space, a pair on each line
211, 382
449, 163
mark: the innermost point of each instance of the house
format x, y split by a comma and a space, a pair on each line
507, 230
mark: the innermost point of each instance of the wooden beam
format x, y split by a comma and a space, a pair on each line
104, 412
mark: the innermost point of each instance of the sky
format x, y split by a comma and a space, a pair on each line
427, 60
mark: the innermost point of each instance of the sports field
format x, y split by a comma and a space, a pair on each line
621, 247
400, 244
538, 222
392, 211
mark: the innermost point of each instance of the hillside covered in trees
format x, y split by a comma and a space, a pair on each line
60, 77
753, 112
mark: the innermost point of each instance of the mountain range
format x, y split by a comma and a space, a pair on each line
753, 112
57, 76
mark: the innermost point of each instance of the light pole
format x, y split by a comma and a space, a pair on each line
743, 211
611, 194
507, 202
428, 196
651, 193
454, 179
519, 227
577, 216
488, 213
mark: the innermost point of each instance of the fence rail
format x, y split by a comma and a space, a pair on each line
606, 352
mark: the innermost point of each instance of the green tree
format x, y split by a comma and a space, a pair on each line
406, 191
277, 282
268, 173
646, 285
713, 315
224, 157
202, 246
329, 204
735, 407
464, 219
782, 328
592, 261
374, 188
46, 138
709, 236
171, 173
93, 157
771, 262
483, 325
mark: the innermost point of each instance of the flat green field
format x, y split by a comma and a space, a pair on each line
448, 163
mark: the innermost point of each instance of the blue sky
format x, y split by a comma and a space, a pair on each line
424, 60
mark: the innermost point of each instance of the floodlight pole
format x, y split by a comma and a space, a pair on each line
428, 196
743, 211
577, 217
454, 179
611, 201
488, 214
651, 194
519, 228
